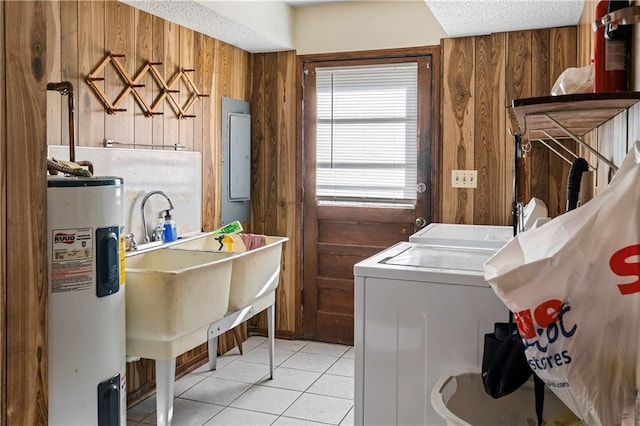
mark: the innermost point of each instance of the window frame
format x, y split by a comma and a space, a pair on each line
430, 128
399, 194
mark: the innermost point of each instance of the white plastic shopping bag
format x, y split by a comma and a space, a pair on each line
574, 287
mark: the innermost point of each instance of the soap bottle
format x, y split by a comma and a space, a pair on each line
170, 232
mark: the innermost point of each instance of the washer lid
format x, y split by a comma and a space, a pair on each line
441, 257
463, 235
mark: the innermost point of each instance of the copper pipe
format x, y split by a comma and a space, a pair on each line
66, 89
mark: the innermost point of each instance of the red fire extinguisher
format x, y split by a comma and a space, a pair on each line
610, 51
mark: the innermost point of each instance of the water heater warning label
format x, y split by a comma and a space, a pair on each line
72, 260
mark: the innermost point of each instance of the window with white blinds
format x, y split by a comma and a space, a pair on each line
366, 134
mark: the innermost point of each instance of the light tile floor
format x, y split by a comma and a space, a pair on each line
313, 385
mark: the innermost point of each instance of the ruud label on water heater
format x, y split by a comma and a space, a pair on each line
72, 260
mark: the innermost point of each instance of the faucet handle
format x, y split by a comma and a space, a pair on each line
158, 230
130, 242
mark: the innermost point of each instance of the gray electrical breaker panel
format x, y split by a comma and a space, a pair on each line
240, 157
236, 160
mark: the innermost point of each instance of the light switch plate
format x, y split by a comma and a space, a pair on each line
464, 178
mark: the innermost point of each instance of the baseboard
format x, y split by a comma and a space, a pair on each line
260, 331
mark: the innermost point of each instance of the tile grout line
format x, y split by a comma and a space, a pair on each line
261, 379
345, 415
254, 384
301, 392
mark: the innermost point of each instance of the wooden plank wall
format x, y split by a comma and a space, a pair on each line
29, 60
220, 70
276, 157
51, 41
489, 125
3, 228
480, 77
91, 29
457, 125
55, 41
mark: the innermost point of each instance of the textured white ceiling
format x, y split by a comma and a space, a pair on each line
201, 16
460, 18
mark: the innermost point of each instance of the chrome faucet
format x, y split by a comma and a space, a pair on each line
144, 202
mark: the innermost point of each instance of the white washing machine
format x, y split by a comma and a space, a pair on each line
420, 312
459, 235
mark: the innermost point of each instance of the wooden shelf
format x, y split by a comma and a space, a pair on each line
533, 118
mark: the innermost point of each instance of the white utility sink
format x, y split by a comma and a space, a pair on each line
255, 272
172, 297
188, 292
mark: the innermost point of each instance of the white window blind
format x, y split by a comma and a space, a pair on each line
366, 139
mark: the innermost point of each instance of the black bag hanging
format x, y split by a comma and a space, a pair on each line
504, 364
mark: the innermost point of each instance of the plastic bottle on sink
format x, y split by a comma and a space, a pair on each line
170, 232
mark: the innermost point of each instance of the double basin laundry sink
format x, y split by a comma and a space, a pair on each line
175, 291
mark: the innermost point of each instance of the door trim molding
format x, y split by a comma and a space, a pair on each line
433, 156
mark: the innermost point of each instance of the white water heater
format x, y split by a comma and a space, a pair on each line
87, 368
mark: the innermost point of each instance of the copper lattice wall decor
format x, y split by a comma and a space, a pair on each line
131, 86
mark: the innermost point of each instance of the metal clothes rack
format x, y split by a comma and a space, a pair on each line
553, 118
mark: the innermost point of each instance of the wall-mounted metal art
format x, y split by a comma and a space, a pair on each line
131, 85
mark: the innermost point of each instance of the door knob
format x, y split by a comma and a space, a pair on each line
420, 222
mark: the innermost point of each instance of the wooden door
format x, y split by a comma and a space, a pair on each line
338, 235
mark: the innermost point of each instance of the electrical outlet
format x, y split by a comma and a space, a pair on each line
464, 178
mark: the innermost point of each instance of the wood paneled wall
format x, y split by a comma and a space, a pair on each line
52, 41
277, 176
29, 59
481, 76
91, 29
78, 35
3, 229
